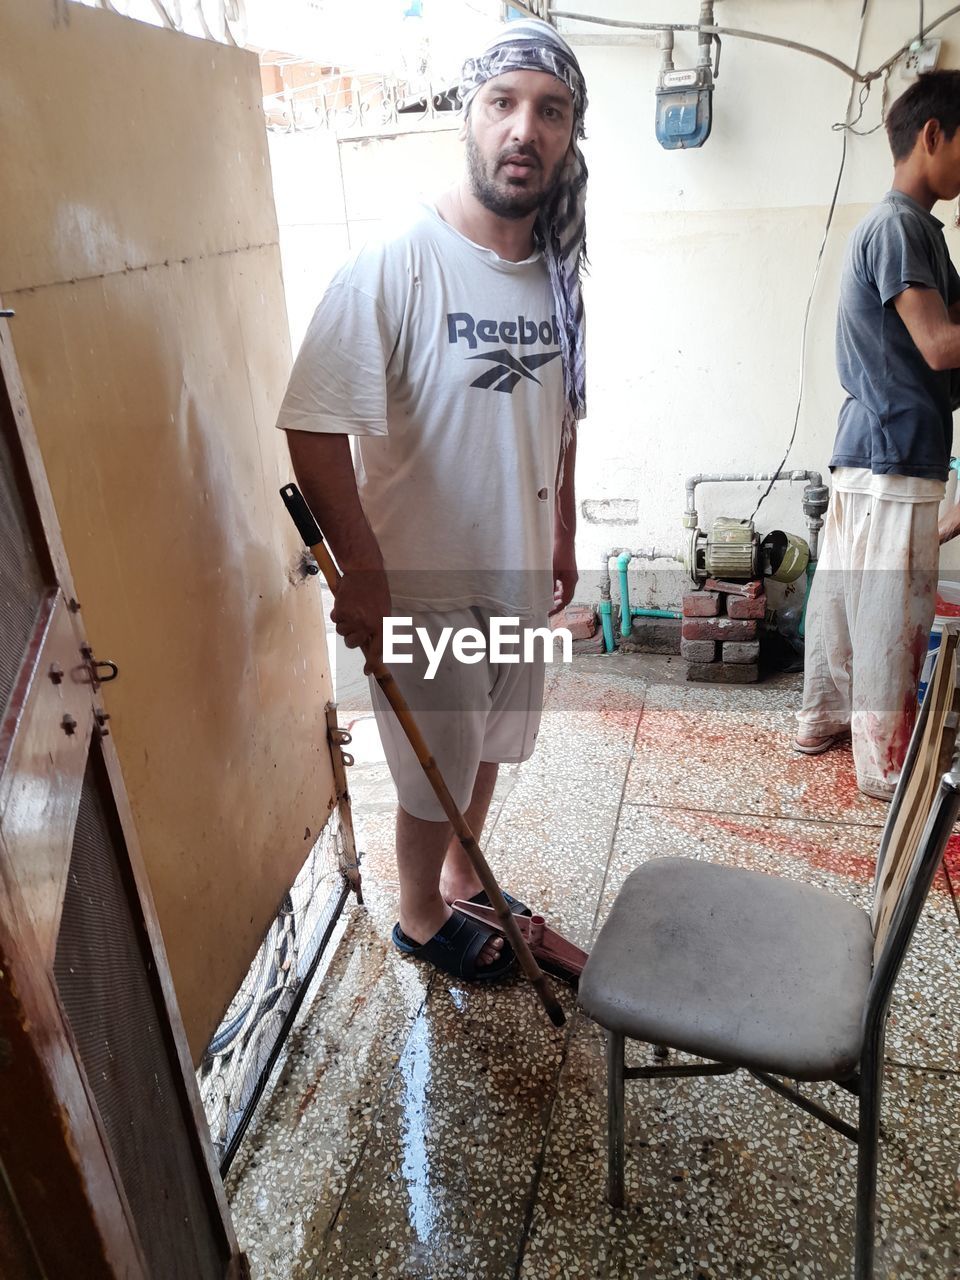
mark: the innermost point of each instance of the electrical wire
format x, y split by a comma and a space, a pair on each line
849, 125
816, 270
710, 30
861, 77
864, 95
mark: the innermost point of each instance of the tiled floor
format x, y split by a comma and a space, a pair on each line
421, 1129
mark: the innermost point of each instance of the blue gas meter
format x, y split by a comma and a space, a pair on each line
684, 108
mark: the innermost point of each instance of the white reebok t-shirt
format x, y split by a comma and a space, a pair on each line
443, 359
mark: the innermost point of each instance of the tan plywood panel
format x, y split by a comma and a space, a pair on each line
154, 138
154, 394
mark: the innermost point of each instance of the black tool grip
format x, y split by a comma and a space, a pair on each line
301, 514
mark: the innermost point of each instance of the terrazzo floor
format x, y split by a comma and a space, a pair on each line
421, 1129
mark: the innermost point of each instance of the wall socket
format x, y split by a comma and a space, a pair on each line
921, 57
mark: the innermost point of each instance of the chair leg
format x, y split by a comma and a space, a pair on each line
615, 1119
868, 1148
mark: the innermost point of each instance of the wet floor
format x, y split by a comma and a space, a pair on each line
421, 1129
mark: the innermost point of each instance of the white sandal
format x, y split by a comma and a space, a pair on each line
817, 748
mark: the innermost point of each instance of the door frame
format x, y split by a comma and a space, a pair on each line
54, 1153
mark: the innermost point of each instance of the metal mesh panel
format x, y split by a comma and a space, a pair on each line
245, 1047
101, 968
22, 587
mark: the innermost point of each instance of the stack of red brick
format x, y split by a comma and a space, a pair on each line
720, 634
581, 620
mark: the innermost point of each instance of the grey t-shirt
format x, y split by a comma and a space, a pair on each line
897, 418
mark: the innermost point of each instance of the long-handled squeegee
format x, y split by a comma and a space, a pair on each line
312, 536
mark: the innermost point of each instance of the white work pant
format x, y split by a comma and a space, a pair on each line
869, 615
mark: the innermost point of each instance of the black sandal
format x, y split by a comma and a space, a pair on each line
455, 949
516, 906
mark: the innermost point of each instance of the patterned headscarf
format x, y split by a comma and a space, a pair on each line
531, 45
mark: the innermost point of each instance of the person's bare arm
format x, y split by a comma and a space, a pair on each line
949, 525
323, 466
935, 329
931, 326
564, 536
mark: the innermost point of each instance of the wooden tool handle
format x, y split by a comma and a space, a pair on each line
313, 537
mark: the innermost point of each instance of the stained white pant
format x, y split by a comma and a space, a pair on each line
869, 615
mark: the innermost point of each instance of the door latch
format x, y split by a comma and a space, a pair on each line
100, 671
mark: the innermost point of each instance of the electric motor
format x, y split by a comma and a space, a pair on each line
730, 551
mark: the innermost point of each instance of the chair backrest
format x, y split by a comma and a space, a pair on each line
929, 757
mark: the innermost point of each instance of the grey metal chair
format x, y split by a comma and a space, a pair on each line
773, 976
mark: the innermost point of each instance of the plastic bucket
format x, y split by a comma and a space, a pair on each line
948, 610
948, 599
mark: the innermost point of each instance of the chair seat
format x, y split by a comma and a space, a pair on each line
737, 966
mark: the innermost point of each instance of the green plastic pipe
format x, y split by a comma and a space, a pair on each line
623, 563
628, 611
606, 622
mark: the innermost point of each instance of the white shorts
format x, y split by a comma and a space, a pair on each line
468, 713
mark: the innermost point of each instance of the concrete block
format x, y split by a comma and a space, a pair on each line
701, 604
651, 635
740, 607
722, 629
741, 651
723, 672
699, 650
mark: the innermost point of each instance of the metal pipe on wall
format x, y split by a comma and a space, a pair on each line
725, 477
705, 40
644, 553
623, 556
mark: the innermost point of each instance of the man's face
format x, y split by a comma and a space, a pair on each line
518, 135
945, 167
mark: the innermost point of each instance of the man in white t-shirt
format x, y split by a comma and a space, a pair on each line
453, 351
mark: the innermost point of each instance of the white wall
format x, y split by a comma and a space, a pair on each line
333, 194
702, 260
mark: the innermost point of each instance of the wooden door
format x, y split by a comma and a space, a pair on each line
105, 1162
139, 251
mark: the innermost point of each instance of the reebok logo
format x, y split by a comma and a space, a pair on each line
507, 370
461, 325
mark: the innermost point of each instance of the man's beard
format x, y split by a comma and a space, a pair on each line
506, 201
